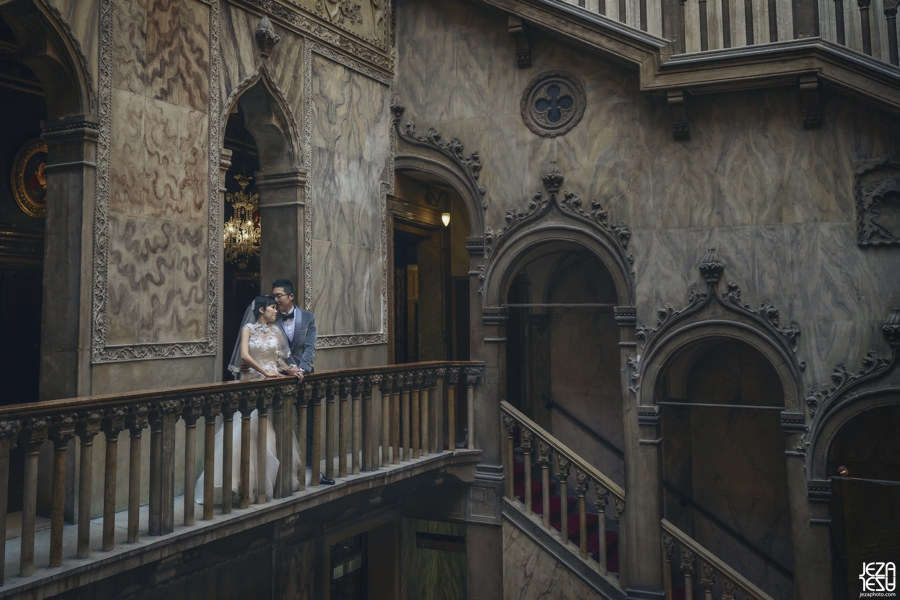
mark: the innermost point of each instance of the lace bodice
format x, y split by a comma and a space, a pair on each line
267, 347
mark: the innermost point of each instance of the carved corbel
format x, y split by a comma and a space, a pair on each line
810, 101
520, 33
266, 38
678, 109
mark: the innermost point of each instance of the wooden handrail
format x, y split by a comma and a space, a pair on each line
710, 558
614, 488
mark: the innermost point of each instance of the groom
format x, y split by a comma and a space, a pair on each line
298, 326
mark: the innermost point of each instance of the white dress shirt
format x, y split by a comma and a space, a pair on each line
289, 325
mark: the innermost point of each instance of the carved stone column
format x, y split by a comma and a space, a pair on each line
643, 564
282, 214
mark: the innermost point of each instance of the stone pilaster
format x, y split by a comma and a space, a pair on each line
282, 213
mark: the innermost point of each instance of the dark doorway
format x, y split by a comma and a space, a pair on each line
22, 106
406, 293
240, 277
348, 569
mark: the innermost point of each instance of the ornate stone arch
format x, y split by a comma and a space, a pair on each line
875, 384
49, 48
269, 119
710, 316
428, 154
555, 219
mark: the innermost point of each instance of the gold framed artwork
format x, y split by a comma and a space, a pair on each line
29, 181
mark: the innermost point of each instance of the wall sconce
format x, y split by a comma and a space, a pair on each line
445, 219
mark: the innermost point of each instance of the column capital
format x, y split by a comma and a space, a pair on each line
289, 178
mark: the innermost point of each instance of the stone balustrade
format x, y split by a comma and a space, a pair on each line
531, 437
415, 418
695, 564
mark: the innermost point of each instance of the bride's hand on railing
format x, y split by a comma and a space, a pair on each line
273, 374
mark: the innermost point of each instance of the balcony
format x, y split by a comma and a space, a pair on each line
386, 429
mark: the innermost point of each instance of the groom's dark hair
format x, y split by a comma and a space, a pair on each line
285, 284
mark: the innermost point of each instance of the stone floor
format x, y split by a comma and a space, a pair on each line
148, 549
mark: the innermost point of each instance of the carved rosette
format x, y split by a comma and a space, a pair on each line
553, 103
878, 204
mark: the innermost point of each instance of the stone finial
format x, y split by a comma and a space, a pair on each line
711, 267
266, 38
891, 328
553, 178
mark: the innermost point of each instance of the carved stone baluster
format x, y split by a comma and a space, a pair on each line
687, 565
155, 490
356, 442
61, 433
405, 409
86, 429
371, 423
169, 410
303, 408
288, 396
425, 414
193, 409
263, 402
111, 426
623, 540
31, 439
344, 386
136, 423
544, 460
728, 589
437, 411
452, 380
8, 431
707, 578
668, 543
415, 415
581, 486
509, 456
330, 407
385, 386
278, 426
395, 418
562, 473
247, 406
230, 405
527, 438
212, 408
318, 395
472, 376
600, 500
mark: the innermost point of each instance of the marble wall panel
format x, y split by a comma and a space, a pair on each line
156, 281
346, 288
530, 573
348, 190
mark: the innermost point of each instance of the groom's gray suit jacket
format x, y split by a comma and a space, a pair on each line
303, 343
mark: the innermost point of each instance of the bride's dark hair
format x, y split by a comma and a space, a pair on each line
261, 303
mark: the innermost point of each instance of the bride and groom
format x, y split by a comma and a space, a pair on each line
277, 339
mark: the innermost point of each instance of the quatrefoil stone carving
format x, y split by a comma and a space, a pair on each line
553, 103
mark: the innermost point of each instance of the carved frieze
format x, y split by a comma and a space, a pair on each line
878, 204
553, 103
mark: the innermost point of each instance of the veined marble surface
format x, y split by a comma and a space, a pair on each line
158, 172
530, 573
350, 155
775, 200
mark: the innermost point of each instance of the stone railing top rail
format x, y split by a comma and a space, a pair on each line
558, 446
26, 410
726, 571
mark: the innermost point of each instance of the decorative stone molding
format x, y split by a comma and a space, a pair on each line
553, 103
519, 31
711, 267
266, 38
568, 204
878, 204
470, 165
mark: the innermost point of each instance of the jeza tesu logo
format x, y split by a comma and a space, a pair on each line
879, 577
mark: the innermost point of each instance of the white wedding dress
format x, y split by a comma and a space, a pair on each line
266, 348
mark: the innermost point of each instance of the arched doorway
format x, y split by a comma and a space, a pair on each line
429, 316
724, 473
23, 194
864, 461
562, 353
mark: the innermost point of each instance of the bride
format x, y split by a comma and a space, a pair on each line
258, 354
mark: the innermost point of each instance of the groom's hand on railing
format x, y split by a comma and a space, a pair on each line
296, 372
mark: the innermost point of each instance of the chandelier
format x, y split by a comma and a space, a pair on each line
242, 229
